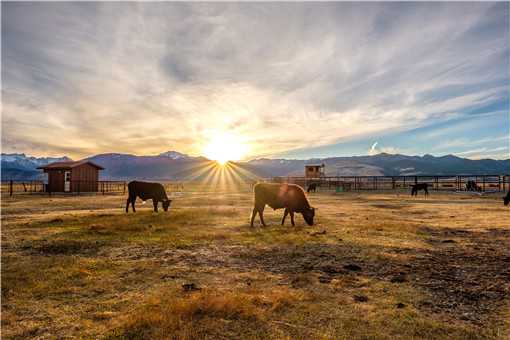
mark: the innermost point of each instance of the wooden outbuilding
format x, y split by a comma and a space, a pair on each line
77, 176
314, 170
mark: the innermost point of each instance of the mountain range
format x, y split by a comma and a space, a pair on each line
173, 165
18, 166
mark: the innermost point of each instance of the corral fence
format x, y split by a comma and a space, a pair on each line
12, 187
484, 183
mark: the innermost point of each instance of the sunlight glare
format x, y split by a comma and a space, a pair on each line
224, 147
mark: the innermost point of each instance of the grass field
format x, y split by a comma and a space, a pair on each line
375, 266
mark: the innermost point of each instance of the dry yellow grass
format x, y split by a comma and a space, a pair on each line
377, 265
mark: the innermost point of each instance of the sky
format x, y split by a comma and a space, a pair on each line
294, 80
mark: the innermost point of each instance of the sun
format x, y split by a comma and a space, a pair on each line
224, 147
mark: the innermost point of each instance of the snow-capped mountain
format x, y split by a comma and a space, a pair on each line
22, 161
20, 166
173, 155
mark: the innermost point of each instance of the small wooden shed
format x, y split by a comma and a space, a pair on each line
314, 170
77, 176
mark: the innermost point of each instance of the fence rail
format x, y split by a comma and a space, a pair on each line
12, 187
484, 183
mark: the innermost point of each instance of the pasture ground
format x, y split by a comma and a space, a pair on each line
377, 265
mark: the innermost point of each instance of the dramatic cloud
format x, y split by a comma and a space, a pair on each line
83, 78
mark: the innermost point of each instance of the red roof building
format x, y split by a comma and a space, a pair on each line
78, 176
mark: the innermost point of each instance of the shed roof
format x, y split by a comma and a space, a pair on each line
69, 165
319, 165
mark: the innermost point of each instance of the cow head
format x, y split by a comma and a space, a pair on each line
506, 199
166, 204
308, 215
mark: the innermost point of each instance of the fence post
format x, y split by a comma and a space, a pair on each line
10, 187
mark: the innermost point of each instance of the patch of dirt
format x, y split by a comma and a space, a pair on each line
468, 279
192, 257
389, 206
62, 247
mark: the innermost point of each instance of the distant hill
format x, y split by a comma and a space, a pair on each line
173, 165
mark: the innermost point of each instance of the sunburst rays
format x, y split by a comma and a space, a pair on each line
221, 177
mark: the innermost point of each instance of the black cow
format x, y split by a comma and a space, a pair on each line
472, 186
419, 186
145, 190
506, 199
311, 187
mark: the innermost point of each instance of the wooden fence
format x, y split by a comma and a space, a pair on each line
12, 187
485, 183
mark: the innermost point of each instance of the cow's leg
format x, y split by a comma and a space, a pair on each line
133, 199
127, 204
426, 192
285, 213
292, 218
261, 215
155, 203
253, 214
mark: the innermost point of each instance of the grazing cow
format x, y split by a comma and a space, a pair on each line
311, 187
145, 191
506, 199
419, 186
472, 186
278, 196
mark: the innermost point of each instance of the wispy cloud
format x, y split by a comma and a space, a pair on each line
82, 78
373, 150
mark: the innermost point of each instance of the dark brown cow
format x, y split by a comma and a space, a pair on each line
311, 187
146, 190
472, 186
279, 196
419, 186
